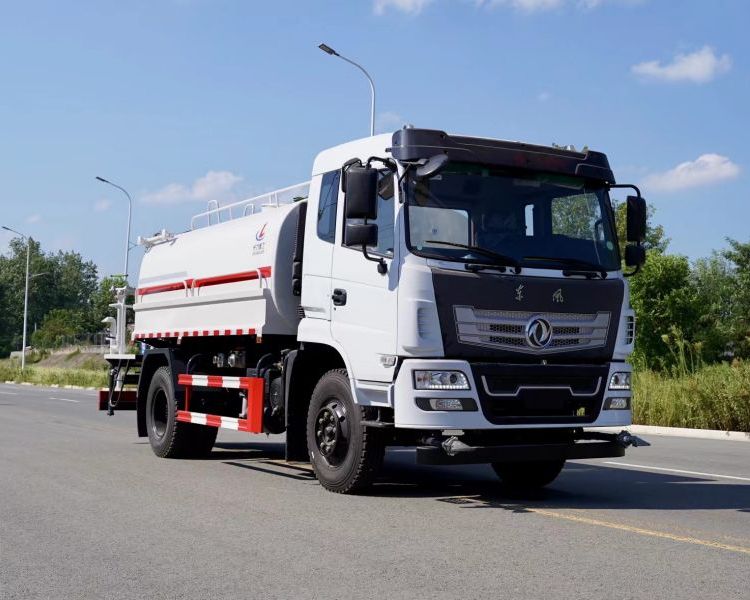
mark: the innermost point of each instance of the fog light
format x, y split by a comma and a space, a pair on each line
619, 381
440, 380
446, 404
617, 404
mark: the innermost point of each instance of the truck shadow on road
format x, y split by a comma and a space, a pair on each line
579, 486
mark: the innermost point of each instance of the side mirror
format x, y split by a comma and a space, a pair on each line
360, 235
637, 215
361, 189
432, 167
635, 256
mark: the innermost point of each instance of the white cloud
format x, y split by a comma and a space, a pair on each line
388, 121
700, 66
214, 185
706, 169
35, 218
412, 7
102, 205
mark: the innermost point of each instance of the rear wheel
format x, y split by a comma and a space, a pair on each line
168, 437
344, 454
528, 475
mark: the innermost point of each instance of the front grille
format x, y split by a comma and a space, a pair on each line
527, 394
569, 331
630, 330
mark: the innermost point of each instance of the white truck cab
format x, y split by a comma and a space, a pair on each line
461, 295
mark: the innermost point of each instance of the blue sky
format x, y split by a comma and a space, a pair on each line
181, 101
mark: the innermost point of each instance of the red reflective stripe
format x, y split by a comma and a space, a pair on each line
213, 420
232, 277
193, 333
165, 287
215, 381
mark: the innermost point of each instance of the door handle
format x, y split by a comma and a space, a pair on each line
339, 297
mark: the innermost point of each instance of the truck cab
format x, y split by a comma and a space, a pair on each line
490, 298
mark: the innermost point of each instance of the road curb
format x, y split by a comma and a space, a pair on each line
703, 434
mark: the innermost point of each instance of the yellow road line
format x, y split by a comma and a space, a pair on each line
639, 530
619, 526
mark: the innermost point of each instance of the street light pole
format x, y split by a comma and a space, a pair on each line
130, 214
332, 52
25, 296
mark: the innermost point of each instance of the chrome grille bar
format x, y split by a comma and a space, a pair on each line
506, 330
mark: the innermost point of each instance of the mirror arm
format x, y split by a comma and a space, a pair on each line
633, 272
388, 162
345, 167
626, 185
382, 265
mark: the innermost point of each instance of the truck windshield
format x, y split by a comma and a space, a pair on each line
474, 213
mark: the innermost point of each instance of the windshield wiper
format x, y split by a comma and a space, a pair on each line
501, 259
580, 267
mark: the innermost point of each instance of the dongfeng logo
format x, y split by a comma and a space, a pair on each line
261, 233
538, 333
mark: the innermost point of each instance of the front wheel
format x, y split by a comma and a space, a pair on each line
344, 454
528, 475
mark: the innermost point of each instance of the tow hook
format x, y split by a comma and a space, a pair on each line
454, 446
626, 439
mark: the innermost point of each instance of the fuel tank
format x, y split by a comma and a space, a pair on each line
231, 278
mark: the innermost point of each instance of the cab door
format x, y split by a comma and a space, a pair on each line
363, 301
320, 237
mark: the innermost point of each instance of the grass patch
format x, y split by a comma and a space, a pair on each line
10, 370
711, 397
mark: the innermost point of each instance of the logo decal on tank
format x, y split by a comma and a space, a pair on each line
260, 236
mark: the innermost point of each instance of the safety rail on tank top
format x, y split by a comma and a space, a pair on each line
273, 199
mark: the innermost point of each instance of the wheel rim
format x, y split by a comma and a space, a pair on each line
332, 432
159, 414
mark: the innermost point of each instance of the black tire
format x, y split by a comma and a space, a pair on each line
345, 455
170, 438
528, 475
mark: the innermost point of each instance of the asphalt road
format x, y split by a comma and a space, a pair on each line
87, 511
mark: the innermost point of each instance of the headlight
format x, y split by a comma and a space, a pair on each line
440, 380
619, 381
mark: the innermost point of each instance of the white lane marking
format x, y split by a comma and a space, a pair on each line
681, 471
65, 399
9, 393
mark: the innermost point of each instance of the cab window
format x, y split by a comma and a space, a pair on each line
329, 195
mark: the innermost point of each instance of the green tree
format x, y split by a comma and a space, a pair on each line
738, 255
58, 326
102, 298
664, 298
65, 281
714, 280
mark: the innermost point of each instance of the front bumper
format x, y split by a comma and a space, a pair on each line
495, 406
436, 455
